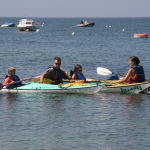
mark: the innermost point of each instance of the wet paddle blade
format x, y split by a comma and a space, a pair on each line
46, 81
103, 71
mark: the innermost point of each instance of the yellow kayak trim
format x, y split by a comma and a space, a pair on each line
117, 85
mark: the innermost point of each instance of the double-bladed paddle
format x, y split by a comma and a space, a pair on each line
105, 71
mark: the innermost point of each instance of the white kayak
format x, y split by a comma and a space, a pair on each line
74, 88
125, 88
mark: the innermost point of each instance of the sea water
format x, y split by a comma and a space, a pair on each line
67, 121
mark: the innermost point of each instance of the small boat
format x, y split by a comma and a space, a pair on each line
141, 35
27, 25
86, 24
124, 88
73, 88
8, 24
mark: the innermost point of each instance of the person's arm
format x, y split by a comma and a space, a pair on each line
129, 75
42, 78
24, 79
73, 76
47, 74
65, 75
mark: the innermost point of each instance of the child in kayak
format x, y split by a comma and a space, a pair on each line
135, 73
77, 74
12, 78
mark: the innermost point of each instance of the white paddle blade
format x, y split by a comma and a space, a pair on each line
103, 71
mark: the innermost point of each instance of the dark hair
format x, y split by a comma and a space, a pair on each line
135, 60
77, 66
58, 59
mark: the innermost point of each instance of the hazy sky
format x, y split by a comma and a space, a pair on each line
75, 8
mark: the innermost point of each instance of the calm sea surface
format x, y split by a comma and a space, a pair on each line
74, 122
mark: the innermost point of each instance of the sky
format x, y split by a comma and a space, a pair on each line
75, 8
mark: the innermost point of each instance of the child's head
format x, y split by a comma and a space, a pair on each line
11, 71
78, 68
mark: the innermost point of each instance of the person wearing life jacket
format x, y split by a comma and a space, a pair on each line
77, 74
55, 73
12, 80
135, 73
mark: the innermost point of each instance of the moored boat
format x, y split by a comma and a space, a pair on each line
27, 25
86, 24
82, 88
124, 88
141, 35
8, 24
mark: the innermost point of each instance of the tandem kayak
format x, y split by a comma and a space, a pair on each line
124, 88
73, 88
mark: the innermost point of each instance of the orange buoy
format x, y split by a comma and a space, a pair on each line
141, 35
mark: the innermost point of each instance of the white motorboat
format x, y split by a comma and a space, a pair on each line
8, 24
27, 25
86, 24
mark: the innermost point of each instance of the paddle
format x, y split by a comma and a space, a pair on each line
105, 71
2, 85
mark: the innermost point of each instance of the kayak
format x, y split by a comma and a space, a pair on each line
73, 88
124, 88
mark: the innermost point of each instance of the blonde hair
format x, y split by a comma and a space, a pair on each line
77, 66
10, 69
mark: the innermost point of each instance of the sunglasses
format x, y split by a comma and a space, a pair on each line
80, 70
57, 63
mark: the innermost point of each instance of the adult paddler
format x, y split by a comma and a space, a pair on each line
135, 73
55, 73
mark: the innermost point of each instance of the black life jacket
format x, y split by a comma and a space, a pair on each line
140, 75
57, 78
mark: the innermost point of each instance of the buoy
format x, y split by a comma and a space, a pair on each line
109, 26
42, 25
123, 30
73, 33
106, 26
37, 30
27, 30
141, 35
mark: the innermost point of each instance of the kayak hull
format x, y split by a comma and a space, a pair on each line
126, 88
50, 88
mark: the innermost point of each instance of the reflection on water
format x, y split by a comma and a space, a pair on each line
104, 119
136, 98
10, 98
